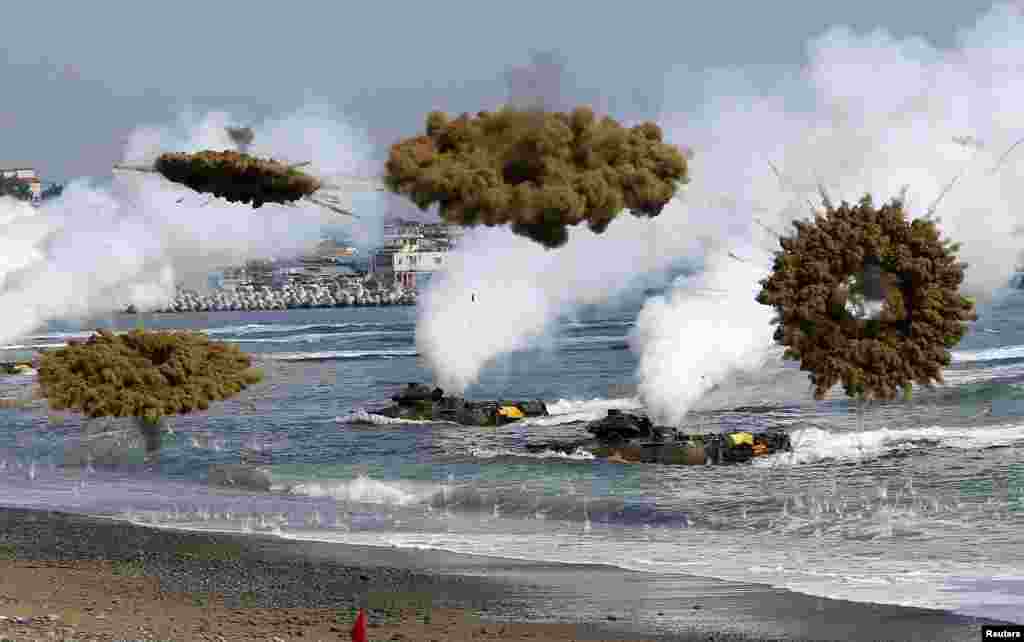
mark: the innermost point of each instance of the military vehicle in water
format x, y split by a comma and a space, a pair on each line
420, 402
627, 437
16, 368
619, 436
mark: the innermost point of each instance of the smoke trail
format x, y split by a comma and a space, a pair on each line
97, 249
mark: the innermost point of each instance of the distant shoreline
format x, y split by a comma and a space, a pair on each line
131, 311
298, 297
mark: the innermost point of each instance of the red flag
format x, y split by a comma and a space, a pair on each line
359, 630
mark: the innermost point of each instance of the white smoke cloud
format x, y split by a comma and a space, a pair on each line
868, 113
97, 249
501, 292
877, 114
707, 329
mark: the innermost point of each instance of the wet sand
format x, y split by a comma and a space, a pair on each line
110, 580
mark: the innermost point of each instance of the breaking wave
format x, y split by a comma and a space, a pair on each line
363, 490
811, 445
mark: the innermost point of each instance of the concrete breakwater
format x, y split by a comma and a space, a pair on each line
258, 298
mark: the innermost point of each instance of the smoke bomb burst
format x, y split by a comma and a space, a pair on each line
538, 172
868, 114
96, 250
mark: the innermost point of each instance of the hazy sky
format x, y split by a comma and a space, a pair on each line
76, 82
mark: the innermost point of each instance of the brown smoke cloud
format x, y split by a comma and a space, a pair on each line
536, 171
237, 177
922, 318
143, 374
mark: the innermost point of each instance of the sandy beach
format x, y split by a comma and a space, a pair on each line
70, 577
109, 601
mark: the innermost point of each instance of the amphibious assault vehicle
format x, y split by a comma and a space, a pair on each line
619, 436
16, 368
627, 437
420, 402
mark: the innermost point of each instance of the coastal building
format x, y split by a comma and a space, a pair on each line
21, 173
412, 266
382, 262
26, 175
413, 251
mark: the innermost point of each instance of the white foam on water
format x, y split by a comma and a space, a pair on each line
812, 445
990, 354
364, 490
565, 411
492, 453
364, 417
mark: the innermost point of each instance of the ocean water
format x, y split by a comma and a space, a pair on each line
917, 503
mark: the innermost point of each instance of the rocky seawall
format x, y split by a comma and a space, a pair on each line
286, 298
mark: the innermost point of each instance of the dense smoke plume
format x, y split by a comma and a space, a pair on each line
237, 177
707, 328
96, 249
868, 114
538, 172
869, 299
144, 374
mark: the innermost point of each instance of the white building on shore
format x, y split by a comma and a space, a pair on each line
411, 262
26, 175
413, 251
